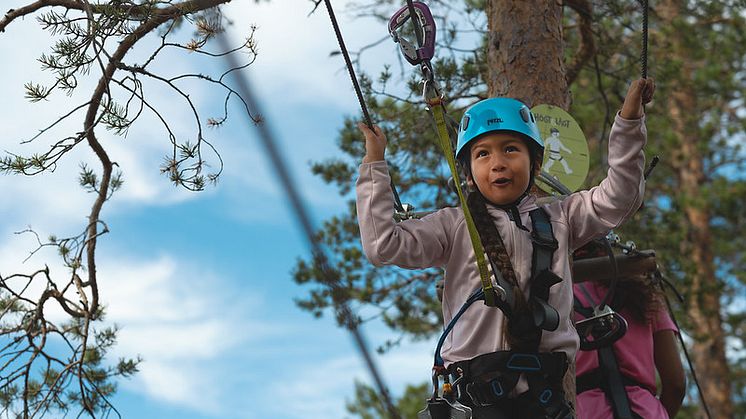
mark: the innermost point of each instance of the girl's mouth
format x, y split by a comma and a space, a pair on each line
501, 181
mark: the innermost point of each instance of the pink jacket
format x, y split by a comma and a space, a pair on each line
441, 240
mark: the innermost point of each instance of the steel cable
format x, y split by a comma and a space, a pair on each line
330, 276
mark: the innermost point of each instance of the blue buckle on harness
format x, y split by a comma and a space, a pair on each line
497, 388
524, 362
545, 396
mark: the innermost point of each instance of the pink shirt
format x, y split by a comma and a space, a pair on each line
634, 354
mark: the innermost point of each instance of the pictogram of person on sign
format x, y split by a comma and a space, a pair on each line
555, 147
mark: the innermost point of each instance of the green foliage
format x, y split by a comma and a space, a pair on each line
368, 405
59, 367
71, 373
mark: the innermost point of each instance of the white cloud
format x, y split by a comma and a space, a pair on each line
321, 389
294, 62
184, 322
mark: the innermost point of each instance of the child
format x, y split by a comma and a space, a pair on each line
501, 151
648, 345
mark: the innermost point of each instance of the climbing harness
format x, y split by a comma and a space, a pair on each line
606, 326
401, 211
488, 379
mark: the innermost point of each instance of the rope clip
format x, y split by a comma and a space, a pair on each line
424, 25
407, 213
602, 329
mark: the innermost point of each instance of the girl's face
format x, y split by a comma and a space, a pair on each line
500, 167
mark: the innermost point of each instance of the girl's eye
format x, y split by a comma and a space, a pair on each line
481, 153
511, 148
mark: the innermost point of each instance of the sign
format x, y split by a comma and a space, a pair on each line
565, 148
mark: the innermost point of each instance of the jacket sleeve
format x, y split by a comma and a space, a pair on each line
594, 212
411, 244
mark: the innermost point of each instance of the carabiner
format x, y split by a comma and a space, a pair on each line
425, 25
602, 329
431, 92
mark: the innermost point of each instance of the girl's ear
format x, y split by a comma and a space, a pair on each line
537, 167
470, 181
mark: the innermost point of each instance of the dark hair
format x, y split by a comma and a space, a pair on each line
640, 295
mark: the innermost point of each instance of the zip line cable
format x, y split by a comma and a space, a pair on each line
413, 17
644, 52
663, 282
397, 201
329, 276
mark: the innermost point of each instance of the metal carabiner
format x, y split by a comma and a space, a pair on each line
425, 25
431, 92
605, 327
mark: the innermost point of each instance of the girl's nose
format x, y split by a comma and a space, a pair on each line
498, 164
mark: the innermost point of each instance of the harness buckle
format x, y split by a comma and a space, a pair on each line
524, 362
407, 214
602, 329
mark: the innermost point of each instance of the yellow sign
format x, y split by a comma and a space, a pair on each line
565, 147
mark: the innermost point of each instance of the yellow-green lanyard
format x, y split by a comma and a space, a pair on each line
435, 102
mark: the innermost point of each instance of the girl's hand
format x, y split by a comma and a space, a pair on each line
375, 143
640, 93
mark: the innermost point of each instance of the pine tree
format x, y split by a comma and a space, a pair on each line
53, 367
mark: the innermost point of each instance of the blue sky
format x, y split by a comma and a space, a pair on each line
200, 283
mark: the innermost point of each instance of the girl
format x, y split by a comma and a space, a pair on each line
505, 363
649, 345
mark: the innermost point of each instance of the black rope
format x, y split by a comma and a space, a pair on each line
413, 17
644, 53
348, 62
615, 278
329, 276
663, 281
397, 202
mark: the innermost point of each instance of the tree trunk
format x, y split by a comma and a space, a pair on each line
525, 52
703, 300
525, 61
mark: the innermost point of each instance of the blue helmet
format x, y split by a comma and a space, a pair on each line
500, 114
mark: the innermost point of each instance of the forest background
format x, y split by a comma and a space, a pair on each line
163, 288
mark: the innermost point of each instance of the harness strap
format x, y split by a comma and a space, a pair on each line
612, 381
614, 388
546, 317
488, 379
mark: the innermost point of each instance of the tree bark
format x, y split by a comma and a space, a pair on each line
525, 61
525, 52
703, 299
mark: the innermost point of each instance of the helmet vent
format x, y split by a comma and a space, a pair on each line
525, 114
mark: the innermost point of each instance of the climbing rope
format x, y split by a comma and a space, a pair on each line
644, 51
663, 280
329, 276
400, 209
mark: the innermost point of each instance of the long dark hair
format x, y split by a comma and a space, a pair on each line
640, 295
